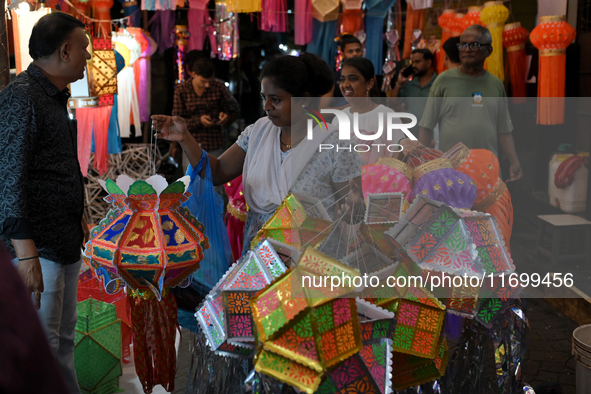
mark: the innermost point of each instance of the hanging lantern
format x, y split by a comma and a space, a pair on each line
445, 21
150, 242
351, 19
325, 10
101, 10
456, 27
180, 35
493, 15
498, 203
246, 6
472, 17
551, 36
514, 39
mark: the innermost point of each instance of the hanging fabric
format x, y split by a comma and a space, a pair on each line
322, 43
273, 16
493, 15
514, 39
374, 29
444, 21
127, 91
162, 24
414, 21
200, 25
84, 138
303, 22
552, 36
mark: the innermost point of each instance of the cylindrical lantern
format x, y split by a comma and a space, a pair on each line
101, 10
514, 38
472, 17
493, 15
551, 36
445, 21
456, 28
181, 36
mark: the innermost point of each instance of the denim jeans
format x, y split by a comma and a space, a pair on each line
58, 315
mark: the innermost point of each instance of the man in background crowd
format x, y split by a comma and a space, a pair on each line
207, 106
416, 90
470, 104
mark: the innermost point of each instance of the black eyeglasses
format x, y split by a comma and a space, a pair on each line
474, 46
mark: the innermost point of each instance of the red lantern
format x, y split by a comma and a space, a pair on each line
456, 27
551, 36
101, 10
445, 21
472, 17
514, 38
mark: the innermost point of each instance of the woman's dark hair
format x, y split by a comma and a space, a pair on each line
367, 71
451, 49
300, 75
427, 54
50, 32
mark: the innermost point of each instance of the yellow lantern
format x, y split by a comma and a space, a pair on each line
244, 5
493, 15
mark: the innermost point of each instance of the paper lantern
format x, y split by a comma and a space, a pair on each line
514, 39
325, 10
498, 204
437, 180
472, 17
426, 154
387, 176
103, 67
552, 36
419, 322
101, 10
306, 324
225, 315
408, 370
299, 220
456, 27
246, 6
436, 238
97, 347
384, 208
493, 15
480, 164
444, 21
288, 371
151, 243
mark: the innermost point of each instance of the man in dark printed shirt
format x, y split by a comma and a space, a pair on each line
207, 106
41, 186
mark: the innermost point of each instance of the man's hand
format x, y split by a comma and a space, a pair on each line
411, 147
30, 272
223, 119
515, 172
401, 80
206, 120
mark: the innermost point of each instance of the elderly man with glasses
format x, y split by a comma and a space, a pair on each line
470, 104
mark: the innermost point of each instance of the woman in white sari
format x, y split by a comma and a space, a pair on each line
274, 156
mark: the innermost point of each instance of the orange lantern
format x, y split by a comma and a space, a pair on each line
351, 19
101, 10
514, 38
445, 21
493, 15
472, 17
551, 36
456, 28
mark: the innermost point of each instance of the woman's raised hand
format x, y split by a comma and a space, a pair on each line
171, 128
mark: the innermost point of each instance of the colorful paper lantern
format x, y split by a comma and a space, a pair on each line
472, 17
325, 10
498, 204
351, 19
493, 15
436, 238
456, 27
387, 176
299, 220
437, 180
225, 315
287, 371
552, 36
104, 67
445, 20
151, 243
408, 370
514, 39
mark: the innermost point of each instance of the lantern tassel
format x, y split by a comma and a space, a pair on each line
154, 323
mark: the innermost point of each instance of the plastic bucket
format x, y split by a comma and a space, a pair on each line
582, 353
